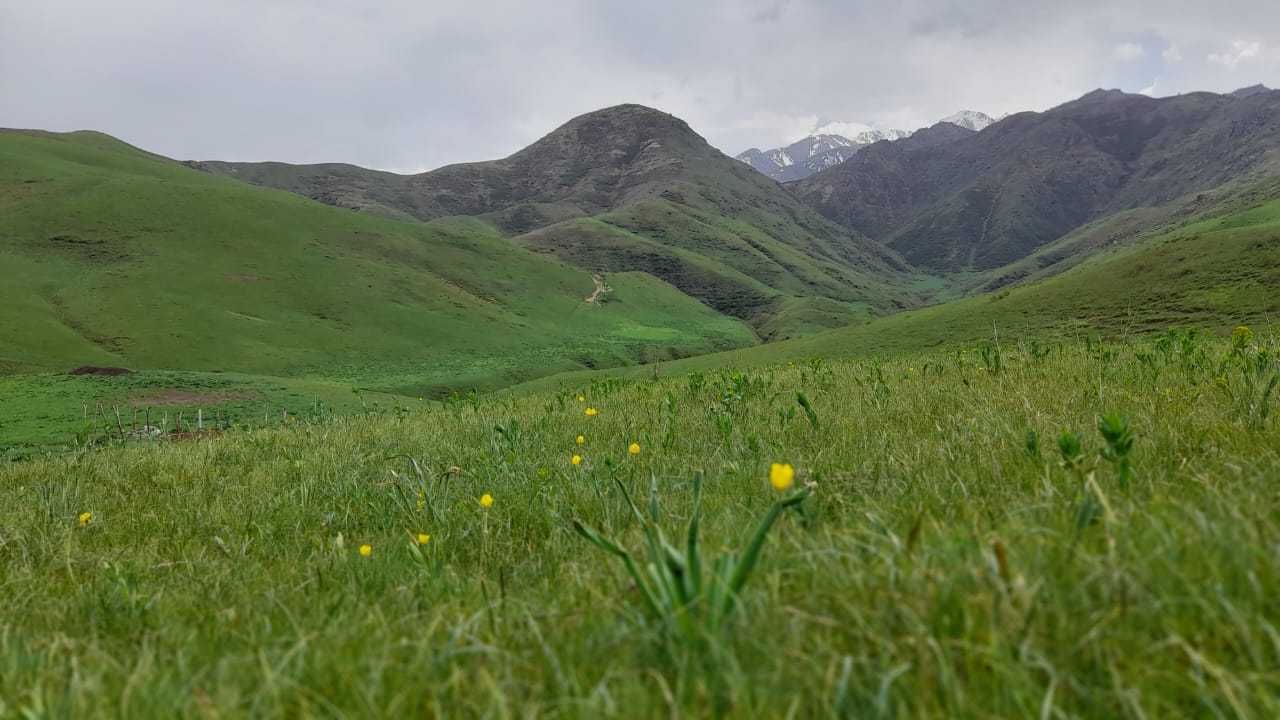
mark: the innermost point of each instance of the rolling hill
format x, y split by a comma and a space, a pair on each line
991, 199
111, 256
632, 188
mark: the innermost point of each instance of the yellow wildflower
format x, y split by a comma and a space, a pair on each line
781, 476
580, 439
581, 399
576, 460
486, 500
591, 412
85, 518
1242, 336
423, 538
634, 448
366, 550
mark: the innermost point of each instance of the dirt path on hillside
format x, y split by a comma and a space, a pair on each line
601, 288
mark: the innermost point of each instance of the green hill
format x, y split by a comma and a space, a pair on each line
111, 256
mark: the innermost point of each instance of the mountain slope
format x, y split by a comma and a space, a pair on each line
1216, 272
970, 120
993, 198
111, 256
653, 188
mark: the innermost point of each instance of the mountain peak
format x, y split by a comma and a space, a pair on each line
970, 120
1101, 94
621, 125
1250, 91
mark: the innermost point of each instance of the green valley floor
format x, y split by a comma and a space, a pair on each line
1034, 527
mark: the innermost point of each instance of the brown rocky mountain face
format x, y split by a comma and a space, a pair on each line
632, 188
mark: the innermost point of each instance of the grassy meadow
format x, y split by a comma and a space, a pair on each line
1034, 527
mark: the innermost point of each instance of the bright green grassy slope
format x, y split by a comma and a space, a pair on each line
111, 256
947, 565
1124, 228
1213, 273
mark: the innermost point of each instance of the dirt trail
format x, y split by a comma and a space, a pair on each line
601, 288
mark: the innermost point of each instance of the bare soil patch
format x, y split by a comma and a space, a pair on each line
100, 371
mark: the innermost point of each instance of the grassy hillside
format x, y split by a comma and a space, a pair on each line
1079, 530
1121, 229
114, 257
733, 267
110, 256
1213, 273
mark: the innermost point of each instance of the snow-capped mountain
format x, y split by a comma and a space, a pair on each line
970, 119
832, 143
858, 133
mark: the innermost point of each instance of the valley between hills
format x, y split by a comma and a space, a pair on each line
264, 288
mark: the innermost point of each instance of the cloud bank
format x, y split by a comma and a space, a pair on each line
412, 85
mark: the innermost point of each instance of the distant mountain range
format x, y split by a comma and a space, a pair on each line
988, 199
631, 188
834, 142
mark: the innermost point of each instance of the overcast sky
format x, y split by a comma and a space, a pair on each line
412, 85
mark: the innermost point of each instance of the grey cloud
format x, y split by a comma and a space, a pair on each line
410, 85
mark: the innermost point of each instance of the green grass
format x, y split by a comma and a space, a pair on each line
51, 413
948, 564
